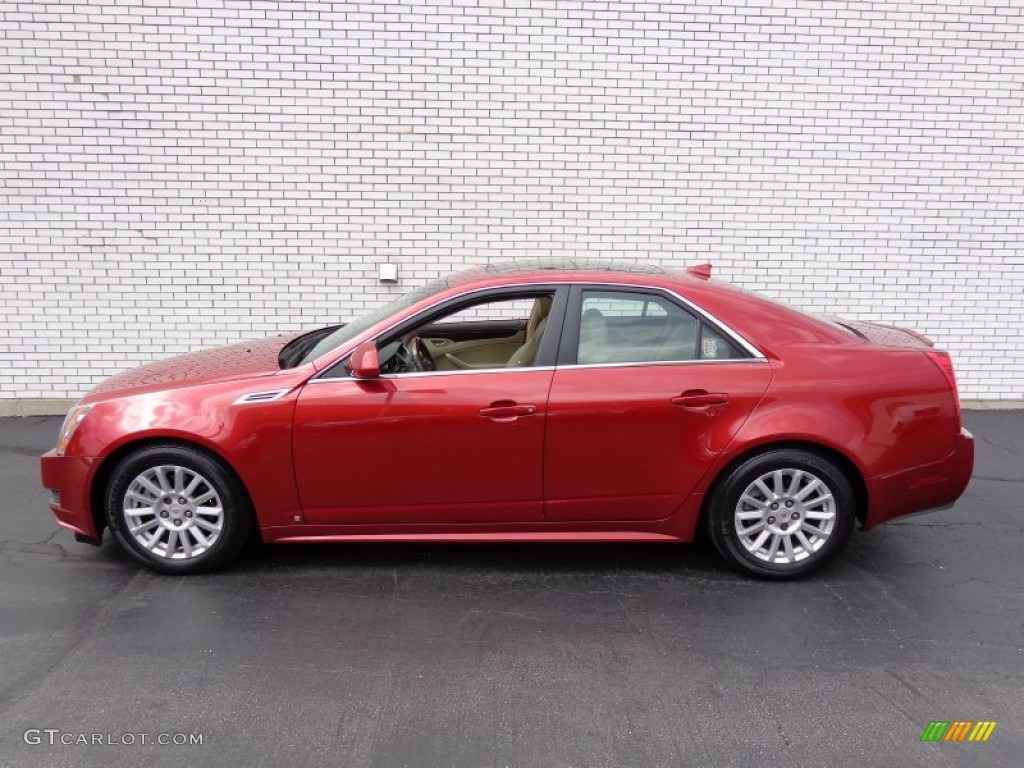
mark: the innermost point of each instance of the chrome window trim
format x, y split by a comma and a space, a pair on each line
652, 363
422, 374
571, 367
755, 353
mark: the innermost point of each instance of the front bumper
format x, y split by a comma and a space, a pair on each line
921, 489
70, 477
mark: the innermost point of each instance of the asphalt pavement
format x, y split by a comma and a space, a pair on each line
524, 655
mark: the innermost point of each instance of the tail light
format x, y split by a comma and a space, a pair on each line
944, 363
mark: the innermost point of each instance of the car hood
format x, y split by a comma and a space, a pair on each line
243, 360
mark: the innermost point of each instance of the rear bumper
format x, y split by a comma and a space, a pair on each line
925, 488
68, 479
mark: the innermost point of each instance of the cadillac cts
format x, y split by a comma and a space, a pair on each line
571, 401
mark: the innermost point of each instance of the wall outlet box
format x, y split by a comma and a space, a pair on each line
388, 273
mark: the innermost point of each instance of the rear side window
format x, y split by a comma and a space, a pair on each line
715, 346
634, 327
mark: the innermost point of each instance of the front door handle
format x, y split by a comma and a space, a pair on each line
699, 398
507, 410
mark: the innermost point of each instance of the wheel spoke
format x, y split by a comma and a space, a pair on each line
186, 543
200, 538
817, 501
757, 543
795, 481
787, 545
139, 511
161, 478
761, 486
804, 542
192, 485
817, 514
153, 540
806, 490
179, 479
207, 525
208, 496
758, 526
746, 498
144, 527
146, 483
774, 548
750, 514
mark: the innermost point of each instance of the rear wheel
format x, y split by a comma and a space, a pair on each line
176, 509
782, 514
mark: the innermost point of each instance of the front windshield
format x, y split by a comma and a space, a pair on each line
351, 330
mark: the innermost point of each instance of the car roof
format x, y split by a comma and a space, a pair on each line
763, 322
549, 267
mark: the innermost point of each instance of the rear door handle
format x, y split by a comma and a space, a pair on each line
507, 410
699, 398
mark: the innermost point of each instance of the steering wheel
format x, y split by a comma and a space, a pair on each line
420, 356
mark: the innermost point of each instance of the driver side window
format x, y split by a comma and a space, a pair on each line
495, 333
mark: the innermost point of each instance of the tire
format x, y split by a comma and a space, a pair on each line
198, 521
813, 499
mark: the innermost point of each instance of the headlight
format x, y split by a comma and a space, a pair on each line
74, 418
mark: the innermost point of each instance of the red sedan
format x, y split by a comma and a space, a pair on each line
570, 401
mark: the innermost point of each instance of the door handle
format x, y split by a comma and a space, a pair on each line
507, 410
699, 398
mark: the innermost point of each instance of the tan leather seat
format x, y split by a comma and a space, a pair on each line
535, 325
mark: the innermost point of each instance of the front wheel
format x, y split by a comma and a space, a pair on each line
782, 514
176, 509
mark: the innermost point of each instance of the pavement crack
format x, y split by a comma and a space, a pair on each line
957, 524
990, 479
45, 547
995, 444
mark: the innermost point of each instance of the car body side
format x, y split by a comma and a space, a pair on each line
886, 413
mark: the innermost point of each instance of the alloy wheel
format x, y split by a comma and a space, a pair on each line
785, 516
173, 512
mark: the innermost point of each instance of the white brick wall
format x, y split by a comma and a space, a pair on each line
181, 173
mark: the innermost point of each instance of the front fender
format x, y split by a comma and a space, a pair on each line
254, 439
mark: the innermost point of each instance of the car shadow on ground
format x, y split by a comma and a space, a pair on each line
697, 560
549, 558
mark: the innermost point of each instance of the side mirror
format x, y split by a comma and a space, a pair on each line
364, 363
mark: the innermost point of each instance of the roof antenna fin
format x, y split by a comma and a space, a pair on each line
700, 271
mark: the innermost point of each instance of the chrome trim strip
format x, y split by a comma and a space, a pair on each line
746, 345
758, 360
420, 374
264, 396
